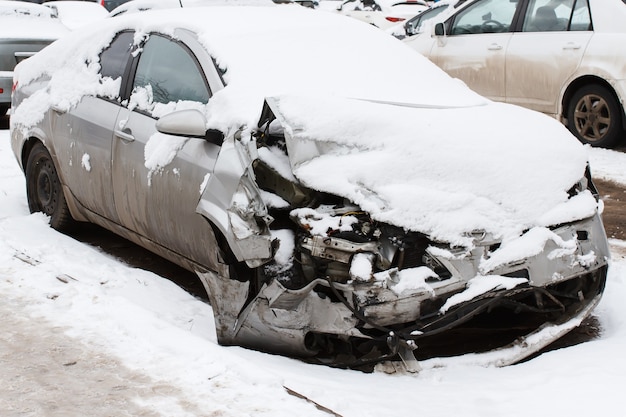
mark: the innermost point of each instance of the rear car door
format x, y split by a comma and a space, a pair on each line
86, 129
158, 178
546, 53
475, 44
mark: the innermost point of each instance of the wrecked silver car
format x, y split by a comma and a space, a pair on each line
333, 212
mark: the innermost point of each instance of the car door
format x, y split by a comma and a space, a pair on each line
158, 179
86, 130
474, 47
543, 56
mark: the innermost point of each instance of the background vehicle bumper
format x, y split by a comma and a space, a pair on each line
6, 82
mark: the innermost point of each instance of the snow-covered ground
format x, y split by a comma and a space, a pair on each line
83, 334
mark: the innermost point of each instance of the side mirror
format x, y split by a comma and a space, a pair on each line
440, 29
188, 123
409, 30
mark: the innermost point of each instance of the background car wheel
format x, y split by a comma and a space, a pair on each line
43, 189
595, 117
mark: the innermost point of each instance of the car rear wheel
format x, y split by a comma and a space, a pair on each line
595, 117
43, 189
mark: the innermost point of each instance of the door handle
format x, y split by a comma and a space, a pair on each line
125, 135
494, 47
58, 110
572, 45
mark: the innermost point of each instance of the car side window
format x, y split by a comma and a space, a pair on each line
413, 25
486, 16
168, 72
557, 15
113, 59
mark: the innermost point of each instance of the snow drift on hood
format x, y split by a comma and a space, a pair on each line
443, 172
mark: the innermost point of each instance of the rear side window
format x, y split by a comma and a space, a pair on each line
550, 16
113, 60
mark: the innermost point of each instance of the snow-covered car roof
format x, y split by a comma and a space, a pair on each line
389, 130
24, 20
23, 8
135, 6
75, 13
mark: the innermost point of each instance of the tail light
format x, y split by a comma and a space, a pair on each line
395, 19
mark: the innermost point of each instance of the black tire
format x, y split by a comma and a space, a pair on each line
594, 116
44, 191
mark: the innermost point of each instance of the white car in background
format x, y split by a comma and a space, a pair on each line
563, 58
382, 13
75, 14
135, 6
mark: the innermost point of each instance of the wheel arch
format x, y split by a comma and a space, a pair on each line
27, 148
584, 81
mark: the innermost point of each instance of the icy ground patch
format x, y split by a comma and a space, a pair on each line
84, 334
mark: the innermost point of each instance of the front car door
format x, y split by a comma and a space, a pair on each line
158, 179
543, 56
475, 44
87, 130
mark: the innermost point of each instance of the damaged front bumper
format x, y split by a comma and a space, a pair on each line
430, 301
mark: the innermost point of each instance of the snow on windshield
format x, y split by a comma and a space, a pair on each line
469, 163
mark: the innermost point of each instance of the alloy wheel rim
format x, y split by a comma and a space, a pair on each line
592, 117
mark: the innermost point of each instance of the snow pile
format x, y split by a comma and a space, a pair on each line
167, 338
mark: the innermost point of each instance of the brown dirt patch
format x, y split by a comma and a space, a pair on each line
614, 197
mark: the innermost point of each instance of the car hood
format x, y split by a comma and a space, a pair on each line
445, 172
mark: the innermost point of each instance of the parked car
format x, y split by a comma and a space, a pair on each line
343, 224
112, 4
556, 57
134, 6
382, 13
25, 28
74, 13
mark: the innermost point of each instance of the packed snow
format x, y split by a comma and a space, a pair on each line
90, 335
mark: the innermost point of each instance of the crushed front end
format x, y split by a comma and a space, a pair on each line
345, 290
